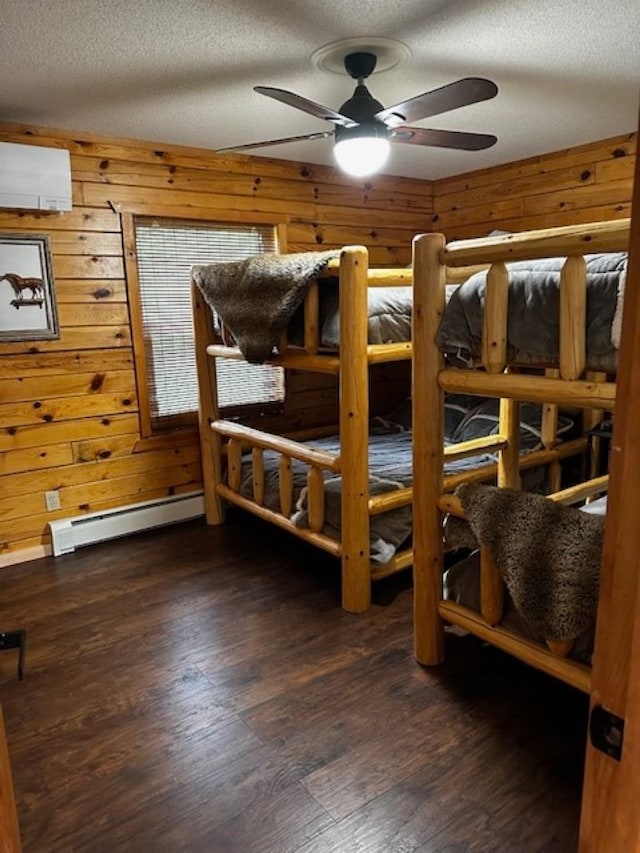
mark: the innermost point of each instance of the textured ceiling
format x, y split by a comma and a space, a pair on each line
568, 71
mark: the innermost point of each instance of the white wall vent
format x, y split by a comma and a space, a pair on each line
34, 178
67, 534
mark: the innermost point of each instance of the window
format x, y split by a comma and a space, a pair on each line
166, 249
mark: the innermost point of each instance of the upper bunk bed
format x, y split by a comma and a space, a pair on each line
493, 353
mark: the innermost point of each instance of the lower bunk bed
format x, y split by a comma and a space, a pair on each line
347, 487
265, 471
530, 585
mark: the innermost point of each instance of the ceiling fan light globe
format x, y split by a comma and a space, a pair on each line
362, 155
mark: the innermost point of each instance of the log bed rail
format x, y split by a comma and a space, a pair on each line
568, 383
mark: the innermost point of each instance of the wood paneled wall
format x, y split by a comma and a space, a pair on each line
584, 184
69, 408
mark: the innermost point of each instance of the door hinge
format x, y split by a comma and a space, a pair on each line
606, 731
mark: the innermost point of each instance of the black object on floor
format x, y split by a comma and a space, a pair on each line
15, 640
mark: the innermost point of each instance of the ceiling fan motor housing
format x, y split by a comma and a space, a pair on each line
361, 106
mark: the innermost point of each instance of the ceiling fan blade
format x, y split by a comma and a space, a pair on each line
307, 106
463, 92
443, 138
320, 135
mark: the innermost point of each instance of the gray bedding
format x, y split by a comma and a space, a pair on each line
390, 465
533, 313
390, 468
533, 309
389, 312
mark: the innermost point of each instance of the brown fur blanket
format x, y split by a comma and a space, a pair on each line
255, 298
548, 555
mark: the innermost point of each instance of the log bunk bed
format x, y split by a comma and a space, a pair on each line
567, 382
226, 444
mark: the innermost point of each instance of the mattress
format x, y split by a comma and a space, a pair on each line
389, 316
388, 312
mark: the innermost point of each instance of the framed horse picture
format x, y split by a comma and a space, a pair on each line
28, 309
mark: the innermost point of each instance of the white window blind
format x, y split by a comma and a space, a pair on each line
166, 250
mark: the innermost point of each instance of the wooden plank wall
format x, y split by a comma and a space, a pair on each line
68, 408
583, 184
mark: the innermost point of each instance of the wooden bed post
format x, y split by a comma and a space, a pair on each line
491, 583
428, 448
509, 456
210, 442
354, 429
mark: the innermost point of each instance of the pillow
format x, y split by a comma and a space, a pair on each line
399, 418
457, 407
484, 419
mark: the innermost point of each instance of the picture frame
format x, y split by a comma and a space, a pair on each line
28, 310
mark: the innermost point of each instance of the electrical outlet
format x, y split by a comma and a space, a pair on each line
52, 500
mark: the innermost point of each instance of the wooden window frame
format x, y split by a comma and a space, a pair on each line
201, 215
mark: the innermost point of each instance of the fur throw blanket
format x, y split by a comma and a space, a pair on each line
548, 555
255, 298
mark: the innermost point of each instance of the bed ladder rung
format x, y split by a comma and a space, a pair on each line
555, 476
582, 491
491, 588
312, 318
559, 648
573, 317
474, 446
315, 485
496, 310
451, 504
234, 462
509, 456
257, 467
549, 426
285, 483
283, 343
590, 418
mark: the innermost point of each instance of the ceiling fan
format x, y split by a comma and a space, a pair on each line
364, 128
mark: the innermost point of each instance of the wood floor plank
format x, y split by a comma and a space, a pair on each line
201, 689
287, 823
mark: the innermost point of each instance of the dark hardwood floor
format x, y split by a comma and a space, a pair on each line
200, 689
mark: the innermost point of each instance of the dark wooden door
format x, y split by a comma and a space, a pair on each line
9, 832
610, 821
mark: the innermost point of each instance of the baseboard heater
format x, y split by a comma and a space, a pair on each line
67, 534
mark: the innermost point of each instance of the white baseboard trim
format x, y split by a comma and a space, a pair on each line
67, 534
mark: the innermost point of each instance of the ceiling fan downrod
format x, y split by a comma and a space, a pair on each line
361, 106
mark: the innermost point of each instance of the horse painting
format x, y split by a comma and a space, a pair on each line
20, 285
